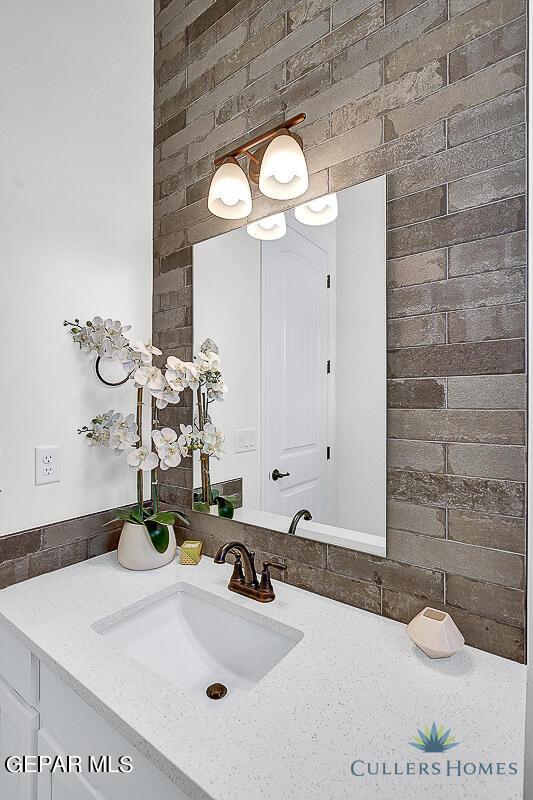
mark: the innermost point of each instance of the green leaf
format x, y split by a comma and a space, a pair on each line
137, 516
126, 514
158, 534
164, 518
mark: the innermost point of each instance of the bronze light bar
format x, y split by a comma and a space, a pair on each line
244, 149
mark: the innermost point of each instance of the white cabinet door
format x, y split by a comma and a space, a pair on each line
59, 785
19, 724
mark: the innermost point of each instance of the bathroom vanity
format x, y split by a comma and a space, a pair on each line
98, 661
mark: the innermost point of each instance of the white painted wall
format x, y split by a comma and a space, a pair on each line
226, 303
361, 353
76, 208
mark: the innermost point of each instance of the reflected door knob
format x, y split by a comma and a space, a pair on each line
276, 474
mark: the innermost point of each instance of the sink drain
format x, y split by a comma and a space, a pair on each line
216, 691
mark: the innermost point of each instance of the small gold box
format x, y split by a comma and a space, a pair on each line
190, 553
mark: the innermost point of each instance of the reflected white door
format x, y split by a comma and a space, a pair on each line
294, 355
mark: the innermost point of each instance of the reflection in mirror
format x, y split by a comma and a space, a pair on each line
297, 309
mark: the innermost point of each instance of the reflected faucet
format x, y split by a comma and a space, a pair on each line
302, 514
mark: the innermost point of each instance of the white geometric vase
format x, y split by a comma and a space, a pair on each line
435, 633
136, 551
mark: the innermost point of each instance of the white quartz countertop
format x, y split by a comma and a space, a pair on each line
353, 689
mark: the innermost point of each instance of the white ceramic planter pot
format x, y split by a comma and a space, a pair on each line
136, 551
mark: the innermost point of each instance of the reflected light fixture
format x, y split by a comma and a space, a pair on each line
319, 211
276, 163
269, 228
229, 193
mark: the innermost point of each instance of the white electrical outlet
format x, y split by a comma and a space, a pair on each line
47, 464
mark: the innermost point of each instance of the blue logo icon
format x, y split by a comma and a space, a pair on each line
436, 740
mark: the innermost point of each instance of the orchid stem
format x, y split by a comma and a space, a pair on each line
140, 491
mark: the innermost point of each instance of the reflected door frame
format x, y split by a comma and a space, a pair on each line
319, 237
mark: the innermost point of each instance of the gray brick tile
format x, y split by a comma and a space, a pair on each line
385, 572
467, 159
478, 88
416, 393
487, 461
470, 291
493, 566
396, 8
488, 186
336, 42
249, 50
477, 358
457, 425
388, 157
455, 33
488, 49
411, 87
417, 207
486, 599
487, 530
413, 517
388, 39
289, 46
495, 322
416, 456
495, 115
486, 255
491, 391
344, 10
415, 331
416, 268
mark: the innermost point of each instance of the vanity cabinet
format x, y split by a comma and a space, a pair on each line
19, 724
58, 785
41, 715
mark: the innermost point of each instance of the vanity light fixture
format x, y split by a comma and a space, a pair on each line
277, 165
320, 211
272, 227
229, 193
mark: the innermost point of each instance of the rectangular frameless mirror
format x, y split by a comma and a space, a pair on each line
300, 326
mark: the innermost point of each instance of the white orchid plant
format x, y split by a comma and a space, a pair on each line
166, 448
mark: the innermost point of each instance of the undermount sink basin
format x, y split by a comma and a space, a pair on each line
195, 639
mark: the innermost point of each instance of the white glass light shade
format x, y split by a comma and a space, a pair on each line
283, 174
229, 193
319, 211
268, 228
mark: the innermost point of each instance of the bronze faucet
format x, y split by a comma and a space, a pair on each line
244, 577
303, 513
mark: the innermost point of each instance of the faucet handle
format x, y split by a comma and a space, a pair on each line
265, 587
238, 572
267, 564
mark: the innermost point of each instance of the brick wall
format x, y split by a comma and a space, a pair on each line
431, 93
38, 550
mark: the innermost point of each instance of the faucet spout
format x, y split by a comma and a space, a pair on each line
302, 514
247, 559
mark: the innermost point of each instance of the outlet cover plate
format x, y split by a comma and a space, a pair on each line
47, 464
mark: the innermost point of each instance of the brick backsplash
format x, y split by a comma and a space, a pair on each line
430, 92
29, 553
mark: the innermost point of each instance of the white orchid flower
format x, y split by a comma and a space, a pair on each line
181, 374
166, 396
123, 433
169, 455
141, 458
149, 376
144, 352
212, 441
164, 436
